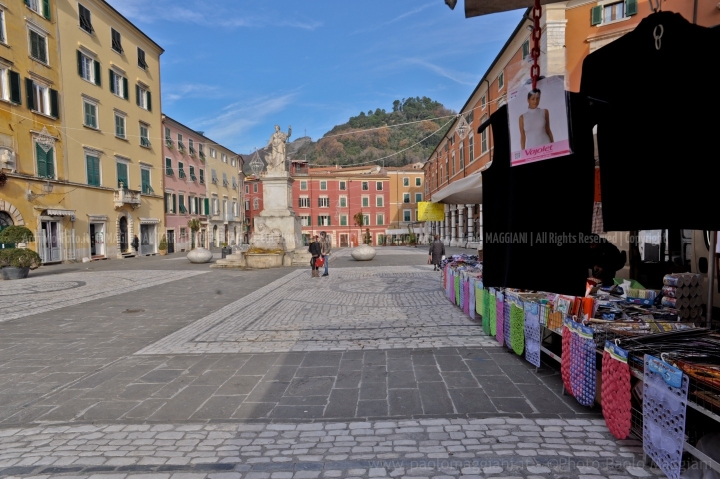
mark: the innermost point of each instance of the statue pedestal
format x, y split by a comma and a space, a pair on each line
277, 210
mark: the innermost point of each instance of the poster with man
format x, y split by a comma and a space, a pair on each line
538, 122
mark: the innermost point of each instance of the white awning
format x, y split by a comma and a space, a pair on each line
97, 218
467, 191
57, 212
149, 221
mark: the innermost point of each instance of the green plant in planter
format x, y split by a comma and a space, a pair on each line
194, 225
163, 243
19, 258
16, 234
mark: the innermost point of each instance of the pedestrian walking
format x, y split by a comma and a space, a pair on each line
325, 246
437, 253
315, 250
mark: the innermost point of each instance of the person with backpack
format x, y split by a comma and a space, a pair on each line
315, 250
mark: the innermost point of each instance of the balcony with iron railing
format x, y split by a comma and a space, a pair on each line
124, 196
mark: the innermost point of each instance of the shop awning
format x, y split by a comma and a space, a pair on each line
58, 212
474, 8
402, 231
97, 218
149, 221
467, 191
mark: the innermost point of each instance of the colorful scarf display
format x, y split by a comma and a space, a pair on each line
500, 319
532, 333
517, 327
583, 374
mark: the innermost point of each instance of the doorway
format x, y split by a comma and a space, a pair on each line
123, 235
171, 241
148, 234
344, 242
97, 239
50, 242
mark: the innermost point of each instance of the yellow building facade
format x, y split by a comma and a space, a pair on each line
224, 180
111, 113
407, 187
32, 142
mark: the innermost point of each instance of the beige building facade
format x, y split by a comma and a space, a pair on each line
111, 113
223, 173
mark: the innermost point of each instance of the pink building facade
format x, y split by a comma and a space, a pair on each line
185, 183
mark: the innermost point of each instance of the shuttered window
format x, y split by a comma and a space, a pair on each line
122, 175
38, 46
145, 181
116, 40
15, 88
141, 58
93, 170
85, 19
45, 162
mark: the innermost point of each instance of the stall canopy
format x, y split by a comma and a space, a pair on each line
467, 191
474, 8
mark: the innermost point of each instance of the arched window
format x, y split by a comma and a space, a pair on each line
5, 220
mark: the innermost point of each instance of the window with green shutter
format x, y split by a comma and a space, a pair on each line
93, 170
207, 206
167, 202
168, 167
631, 7
174, 197
38, 46
596, 15
46, 9
182, 204
45, 162
122, 175
90, 114
145, 181
119, 126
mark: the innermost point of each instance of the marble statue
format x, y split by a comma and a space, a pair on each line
276, 159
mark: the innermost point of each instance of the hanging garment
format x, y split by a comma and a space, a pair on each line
566, 357
582, 364
665, 394
615, 391
493, 314
517, 328
532, 333
535, 215
506, 324
650, 140
500, 320
471, 302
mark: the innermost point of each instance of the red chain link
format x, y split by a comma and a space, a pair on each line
536, 35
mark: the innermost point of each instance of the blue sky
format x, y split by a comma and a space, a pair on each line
235, 68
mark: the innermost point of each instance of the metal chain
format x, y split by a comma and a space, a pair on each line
536, 35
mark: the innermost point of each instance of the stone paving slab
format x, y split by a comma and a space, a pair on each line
41, 294
312, 385
358, 309
497, 447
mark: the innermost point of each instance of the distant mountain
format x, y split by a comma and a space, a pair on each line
348, 144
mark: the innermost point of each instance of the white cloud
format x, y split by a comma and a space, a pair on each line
396, 19
454, 75
173, 92
241, 116
203, 13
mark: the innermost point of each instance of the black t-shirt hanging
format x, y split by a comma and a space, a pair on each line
653, 99
536, 216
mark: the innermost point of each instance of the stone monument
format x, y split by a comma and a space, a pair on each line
277, 227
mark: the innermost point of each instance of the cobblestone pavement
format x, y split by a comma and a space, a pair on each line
87, 391
368, 308
425, 448
46, 293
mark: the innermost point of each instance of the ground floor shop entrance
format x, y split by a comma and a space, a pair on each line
148, 239
97, 240
49, 242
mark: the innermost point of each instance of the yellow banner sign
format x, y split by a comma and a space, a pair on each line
428, 211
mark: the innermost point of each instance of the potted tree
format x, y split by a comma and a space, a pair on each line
16, 263
197, 254
162, 247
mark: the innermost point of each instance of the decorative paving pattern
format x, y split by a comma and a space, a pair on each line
494, 447
386, 251
47, 293
368, 308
